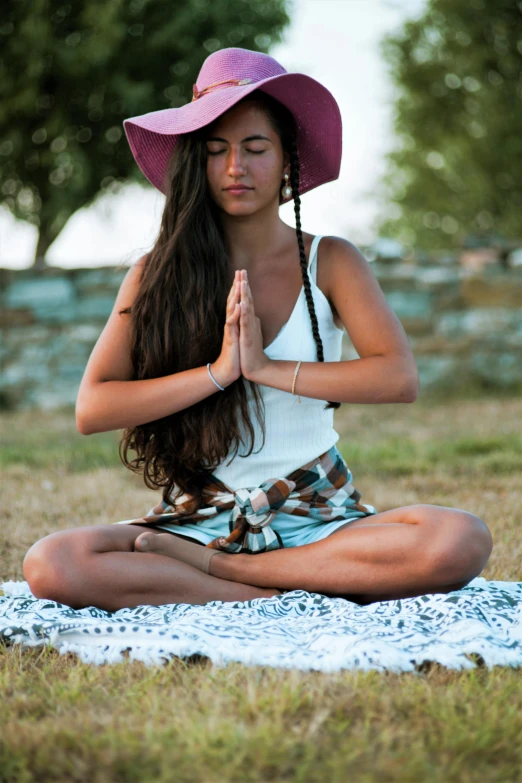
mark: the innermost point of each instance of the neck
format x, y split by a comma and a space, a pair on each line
251, 239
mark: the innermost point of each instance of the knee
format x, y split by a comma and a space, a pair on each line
463, 547
41, 567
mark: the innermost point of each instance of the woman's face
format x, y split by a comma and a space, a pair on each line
244, 149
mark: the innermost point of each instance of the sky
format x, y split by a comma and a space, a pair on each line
333, 41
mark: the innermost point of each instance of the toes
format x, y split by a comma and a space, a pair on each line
144, 542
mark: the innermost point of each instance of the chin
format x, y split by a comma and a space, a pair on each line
240, 209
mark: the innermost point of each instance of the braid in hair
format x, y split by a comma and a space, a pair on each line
294, 181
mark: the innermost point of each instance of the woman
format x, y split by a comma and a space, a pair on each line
218, 319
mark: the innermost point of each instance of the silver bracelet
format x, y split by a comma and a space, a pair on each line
217, 384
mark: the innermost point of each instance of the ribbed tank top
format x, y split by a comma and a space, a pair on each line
295, 432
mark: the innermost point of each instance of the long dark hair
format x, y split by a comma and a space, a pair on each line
178, 320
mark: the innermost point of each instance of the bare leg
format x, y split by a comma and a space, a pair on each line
403, 552
97, 566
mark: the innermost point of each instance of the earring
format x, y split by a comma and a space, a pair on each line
286, 190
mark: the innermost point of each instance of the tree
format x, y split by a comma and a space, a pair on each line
458, 167
70, 73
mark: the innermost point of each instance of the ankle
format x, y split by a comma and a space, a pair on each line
224, 566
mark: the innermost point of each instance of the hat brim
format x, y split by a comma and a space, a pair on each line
152, 136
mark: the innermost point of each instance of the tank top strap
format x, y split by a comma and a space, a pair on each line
312, 268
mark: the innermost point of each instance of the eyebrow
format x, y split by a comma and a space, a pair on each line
248, 138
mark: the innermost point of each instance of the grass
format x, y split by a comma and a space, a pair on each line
63, 720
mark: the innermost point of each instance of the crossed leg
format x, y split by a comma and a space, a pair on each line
98, 566
399, 553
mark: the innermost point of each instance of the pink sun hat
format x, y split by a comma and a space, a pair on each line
225, 77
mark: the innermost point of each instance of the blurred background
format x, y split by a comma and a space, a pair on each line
430, 187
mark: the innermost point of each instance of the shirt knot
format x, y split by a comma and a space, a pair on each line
259, 505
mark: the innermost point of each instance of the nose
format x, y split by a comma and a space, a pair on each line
235, 163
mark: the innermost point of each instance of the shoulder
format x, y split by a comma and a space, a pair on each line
340, 261
337, 251
131, 282
141, 262
136, 270
136, 267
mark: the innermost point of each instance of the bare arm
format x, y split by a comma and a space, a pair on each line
114, 405
372, 379
109, 398
386, 370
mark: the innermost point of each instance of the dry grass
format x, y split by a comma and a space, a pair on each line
68, 721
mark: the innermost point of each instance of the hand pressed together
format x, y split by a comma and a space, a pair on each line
242, 350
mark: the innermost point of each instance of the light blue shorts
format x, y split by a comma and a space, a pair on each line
294, 530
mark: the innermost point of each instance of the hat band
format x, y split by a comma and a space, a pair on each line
226, 82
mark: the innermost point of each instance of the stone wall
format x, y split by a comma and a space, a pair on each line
463, 326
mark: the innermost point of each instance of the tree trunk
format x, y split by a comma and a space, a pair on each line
42, 246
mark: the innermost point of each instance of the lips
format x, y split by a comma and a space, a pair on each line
237, 187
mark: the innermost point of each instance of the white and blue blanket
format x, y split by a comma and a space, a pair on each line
478, 625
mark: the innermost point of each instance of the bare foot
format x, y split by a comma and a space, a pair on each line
165, 544
160, 543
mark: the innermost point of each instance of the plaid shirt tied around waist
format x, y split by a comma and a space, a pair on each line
320, 489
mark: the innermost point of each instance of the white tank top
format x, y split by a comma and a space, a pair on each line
295, 432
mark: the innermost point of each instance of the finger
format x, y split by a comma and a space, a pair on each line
233, 287
234, 315
234, 296
237, 292
246, 316
247, 293
238, 315
230, 307
233, 320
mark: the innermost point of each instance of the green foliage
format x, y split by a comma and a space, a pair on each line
457, 170
397, 456
71, 73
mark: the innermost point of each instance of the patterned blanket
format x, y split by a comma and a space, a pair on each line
478, 625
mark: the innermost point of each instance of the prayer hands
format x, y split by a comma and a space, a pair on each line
252, 356
242, 350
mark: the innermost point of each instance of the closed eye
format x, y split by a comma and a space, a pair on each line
254, 152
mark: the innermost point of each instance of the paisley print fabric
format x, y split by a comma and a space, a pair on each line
480, 624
